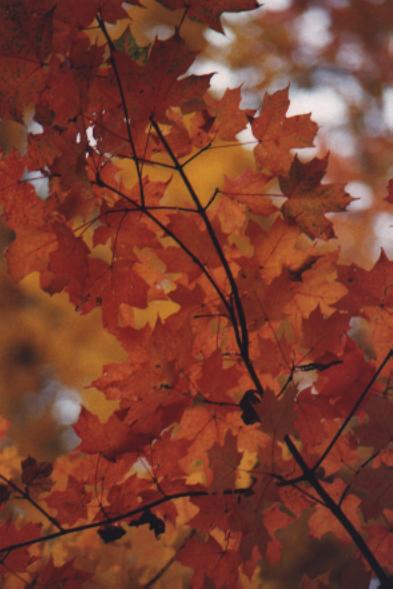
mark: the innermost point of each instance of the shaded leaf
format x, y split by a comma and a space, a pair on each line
309, 200
247, 402
111, 533
36, 474
210, 12
156, 524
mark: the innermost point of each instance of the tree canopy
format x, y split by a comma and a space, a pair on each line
230, 323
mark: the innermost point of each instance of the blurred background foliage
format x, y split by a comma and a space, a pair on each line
337, 56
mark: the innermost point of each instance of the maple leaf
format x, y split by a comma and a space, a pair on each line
309, 200
80, 16
127, 44
166, 451
156, 524
123, 495
365, 289
243, 514
318, 287
229, 297
68, 263
210, 562
374, 486
277, 414
321, 523
380, 540
110, 439
223, 462
153, 88
65, 576
111, 533
71, 504
344, 382
36, 474
215, 380
10, 533
355, 575
249, 190
208, 12
229, 119
323, 336
377, 432
277, 248
277, 134
21, 82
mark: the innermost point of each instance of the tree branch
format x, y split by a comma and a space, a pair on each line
238, 318
168, 564
131, 142
355, 407
170, 233
6, 550
197, 153
25, 495
310, 476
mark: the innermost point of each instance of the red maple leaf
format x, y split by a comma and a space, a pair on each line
277, 134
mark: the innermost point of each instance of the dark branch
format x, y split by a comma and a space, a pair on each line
168, 564
6, 550
355, 407
131, 142
310, 476
197, 153
165, 229
238, 318
26, 495
361, 467
318, 366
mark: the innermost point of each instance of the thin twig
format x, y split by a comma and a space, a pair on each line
269, 194
182, 19
286, 383
355, 407
146, 161
206, 401
131, 142
26, 495
361, 467
197, 153
168, 564
211, 199
170, 233
209, 315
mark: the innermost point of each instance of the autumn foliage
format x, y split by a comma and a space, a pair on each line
246, 417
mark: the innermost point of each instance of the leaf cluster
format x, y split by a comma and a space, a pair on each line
245, 411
